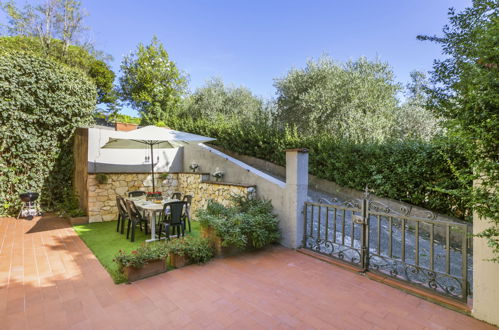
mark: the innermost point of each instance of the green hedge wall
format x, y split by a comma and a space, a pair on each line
410, 171
41, 104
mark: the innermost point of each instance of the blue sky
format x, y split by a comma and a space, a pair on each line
250, 43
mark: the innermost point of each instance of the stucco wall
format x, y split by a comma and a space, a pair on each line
102, 197
485, 276
268, 187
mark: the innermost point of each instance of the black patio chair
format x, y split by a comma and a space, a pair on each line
177, 195
173, 217
188, 199
122, 214
134, 218
136, 193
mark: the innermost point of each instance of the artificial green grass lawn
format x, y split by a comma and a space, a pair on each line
103, 240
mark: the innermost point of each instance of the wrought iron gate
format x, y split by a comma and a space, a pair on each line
421, 250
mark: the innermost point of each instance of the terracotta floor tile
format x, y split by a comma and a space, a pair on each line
49, 279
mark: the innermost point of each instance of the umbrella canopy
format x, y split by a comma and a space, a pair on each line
161, 138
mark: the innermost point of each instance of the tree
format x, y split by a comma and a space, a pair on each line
354, 101
151, 83
413, 120
465, 91
216, 101
76, 56
55, 29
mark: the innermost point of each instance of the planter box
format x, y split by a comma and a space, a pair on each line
78, 221
152, 268
125, 127
177, 261
216, 243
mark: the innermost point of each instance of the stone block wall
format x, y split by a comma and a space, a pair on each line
102, 197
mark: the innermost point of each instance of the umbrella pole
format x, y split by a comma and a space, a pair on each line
152, 169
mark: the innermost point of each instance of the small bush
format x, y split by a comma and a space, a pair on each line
197, 250
102, 178
143, 255
249, 223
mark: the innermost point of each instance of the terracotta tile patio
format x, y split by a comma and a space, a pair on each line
49, 279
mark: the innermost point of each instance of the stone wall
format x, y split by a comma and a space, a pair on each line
102, 197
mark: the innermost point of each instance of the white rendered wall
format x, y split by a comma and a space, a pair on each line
128, 160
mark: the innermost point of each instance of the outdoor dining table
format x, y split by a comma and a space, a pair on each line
151, 208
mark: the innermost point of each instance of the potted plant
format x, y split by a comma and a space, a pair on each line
194, 166
145, 261
125, 123
153, 195
218, 174
249, 224
187, 250
101, 178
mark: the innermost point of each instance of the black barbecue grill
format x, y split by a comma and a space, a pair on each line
30, 206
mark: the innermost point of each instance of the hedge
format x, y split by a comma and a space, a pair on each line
416, 172
41, 104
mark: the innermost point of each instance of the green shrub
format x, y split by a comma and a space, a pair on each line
143, 255
198, 250
416, 172
41, 104
250, 223
70, 206
102, 178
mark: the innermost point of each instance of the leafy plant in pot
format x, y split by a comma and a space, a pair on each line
101, 178
147, 260
187, 250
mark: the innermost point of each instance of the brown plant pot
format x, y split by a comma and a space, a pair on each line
216, 243
152, 268
125, 127
177, 261
78, 221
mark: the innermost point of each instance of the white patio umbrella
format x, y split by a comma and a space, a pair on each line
151, 136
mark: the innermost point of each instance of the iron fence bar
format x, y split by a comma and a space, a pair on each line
379, 234
403, 241
416, 244
327, 224
447, 249
312, 221
335, 215
432, 261
319, 224
390, 236
352, 231
343, 228
464, 265
304, 243
365, 235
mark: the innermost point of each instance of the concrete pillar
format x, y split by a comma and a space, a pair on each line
485, 276
296, 192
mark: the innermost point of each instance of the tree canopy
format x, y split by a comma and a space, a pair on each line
354, 100
217, 101
466, 92
151, 83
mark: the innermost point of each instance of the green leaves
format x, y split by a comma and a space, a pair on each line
41, 104
151, 83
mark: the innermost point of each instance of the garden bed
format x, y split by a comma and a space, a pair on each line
103, 240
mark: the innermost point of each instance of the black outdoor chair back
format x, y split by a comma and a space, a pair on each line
177, 195
136, 193
134, 218
188, 199
174, 216
122, 214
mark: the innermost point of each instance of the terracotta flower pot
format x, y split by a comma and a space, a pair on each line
78, 221
152, 268
216, 243
177, 261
